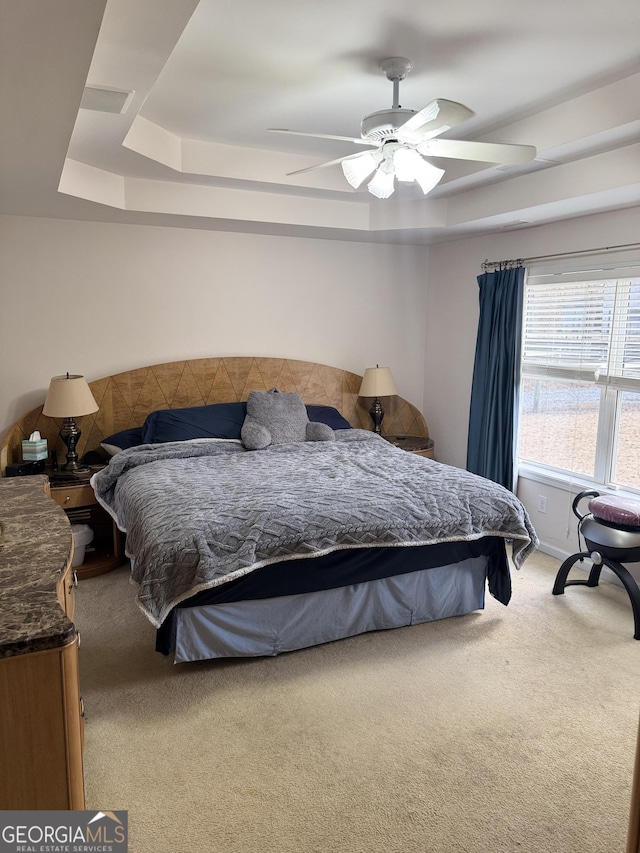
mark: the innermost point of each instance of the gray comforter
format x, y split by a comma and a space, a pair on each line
200, 513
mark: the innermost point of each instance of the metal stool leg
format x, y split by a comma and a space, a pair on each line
630, 584
627, 579
561, 578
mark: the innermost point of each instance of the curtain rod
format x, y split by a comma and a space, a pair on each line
521, 261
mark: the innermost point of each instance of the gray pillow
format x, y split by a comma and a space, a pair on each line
320, 432
274, 417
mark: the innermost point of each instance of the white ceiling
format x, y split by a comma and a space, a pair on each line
210, 77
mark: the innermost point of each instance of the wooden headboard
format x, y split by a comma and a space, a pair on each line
126, 399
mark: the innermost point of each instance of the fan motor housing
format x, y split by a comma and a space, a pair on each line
384, 124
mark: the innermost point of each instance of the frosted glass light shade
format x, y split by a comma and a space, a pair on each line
406, 161
381, 185
69, 397
377, 382
410, 166
428, 176
359, 168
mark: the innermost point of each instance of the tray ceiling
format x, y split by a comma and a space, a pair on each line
208, 78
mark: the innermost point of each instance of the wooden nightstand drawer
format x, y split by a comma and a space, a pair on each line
72, 496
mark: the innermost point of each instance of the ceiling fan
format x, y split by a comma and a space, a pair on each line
402, 138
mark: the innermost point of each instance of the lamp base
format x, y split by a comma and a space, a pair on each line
377, 414
70, 434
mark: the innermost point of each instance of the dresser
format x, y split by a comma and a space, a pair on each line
41, 723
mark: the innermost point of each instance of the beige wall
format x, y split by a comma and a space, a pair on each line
96, 298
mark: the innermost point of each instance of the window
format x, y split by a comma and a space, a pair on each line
580, 385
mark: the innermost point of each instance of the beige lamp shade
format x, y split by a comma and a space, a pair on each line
69, 397
378, 382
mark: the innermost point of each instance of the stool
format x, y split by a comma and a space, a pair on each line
611, 531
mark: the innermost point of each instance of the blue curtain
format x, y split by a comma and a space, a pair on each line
496, 377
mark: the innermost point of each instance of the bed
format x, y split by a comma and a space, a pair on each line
244, 551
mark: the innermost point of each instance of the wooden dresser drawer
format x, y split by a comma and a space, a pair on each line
71, 496
66, 591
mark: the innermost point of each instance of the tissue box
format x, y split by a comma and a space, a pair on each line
32, 451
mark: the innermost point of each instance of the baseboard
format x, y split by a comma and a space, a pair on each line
553, 552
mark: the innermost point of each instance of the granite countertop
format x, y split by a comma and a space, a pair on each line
35, 545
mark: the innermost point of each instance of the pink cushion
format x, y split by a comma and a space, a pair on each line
616, 510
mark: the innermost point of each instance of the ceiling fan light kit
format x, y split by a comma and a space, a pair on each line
404, 137
396, 162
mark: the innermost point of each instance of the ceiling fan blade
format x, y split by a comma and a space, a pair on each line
331, 162
355, 140
486, 152
432, 120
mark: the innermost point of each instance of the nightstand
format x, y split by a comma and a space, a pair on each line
417, 444
76, 497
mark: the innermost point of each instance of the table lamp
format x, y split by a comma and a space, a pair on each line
69, 397
377, 382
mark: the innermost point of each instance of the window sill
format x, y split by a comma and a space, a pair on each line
571, 483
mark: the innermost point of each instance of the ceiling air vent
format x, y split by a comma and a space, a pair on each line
106, 100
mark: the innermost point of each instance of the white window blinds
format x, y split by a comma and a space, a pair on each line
585, 330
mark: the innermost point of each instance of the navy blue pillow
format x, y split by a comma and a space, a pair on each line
327, 415
122, 440
219, 420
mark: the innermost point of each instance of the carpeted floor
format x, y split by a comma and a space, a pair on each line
511, 729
